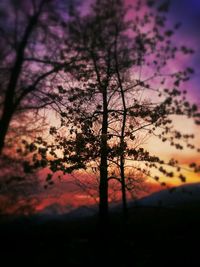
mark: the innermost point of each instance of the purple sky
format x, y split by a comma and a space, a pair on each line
188, 13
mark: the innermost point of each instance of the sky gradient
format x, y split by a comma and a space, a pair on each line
68, 195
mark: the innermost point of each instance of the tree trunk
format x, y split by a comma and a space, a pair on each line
123, 188
103, 187
122, 144
4, 125
122, 167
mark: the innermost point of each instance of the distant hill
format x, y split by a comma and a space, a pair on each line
182, 196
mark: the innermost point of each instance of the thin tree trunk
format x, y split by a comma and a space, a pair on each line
122, 136
122, 168
123, 188
103, 187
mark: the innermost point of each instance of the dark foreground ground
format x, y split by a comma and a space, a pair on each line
151, 237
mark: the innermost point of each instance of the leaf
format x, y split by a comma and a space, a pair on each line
177, 25
43, 163
61, 90
164, 7
182, 178
169, 33
150, 3
63, 114
49, 177
27, 167
176, 83
190, 70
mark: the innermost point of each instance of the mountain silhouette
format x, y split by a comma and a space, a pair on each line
187, 195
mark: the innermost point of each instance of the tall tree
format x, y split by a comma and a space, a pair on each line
97, 42
118, 94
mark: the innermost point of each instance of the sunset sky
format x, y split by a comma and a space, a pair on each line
67, 194
188, 13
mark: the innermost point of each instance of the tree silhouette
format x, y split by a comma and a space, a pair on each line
121, 91
29, 58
